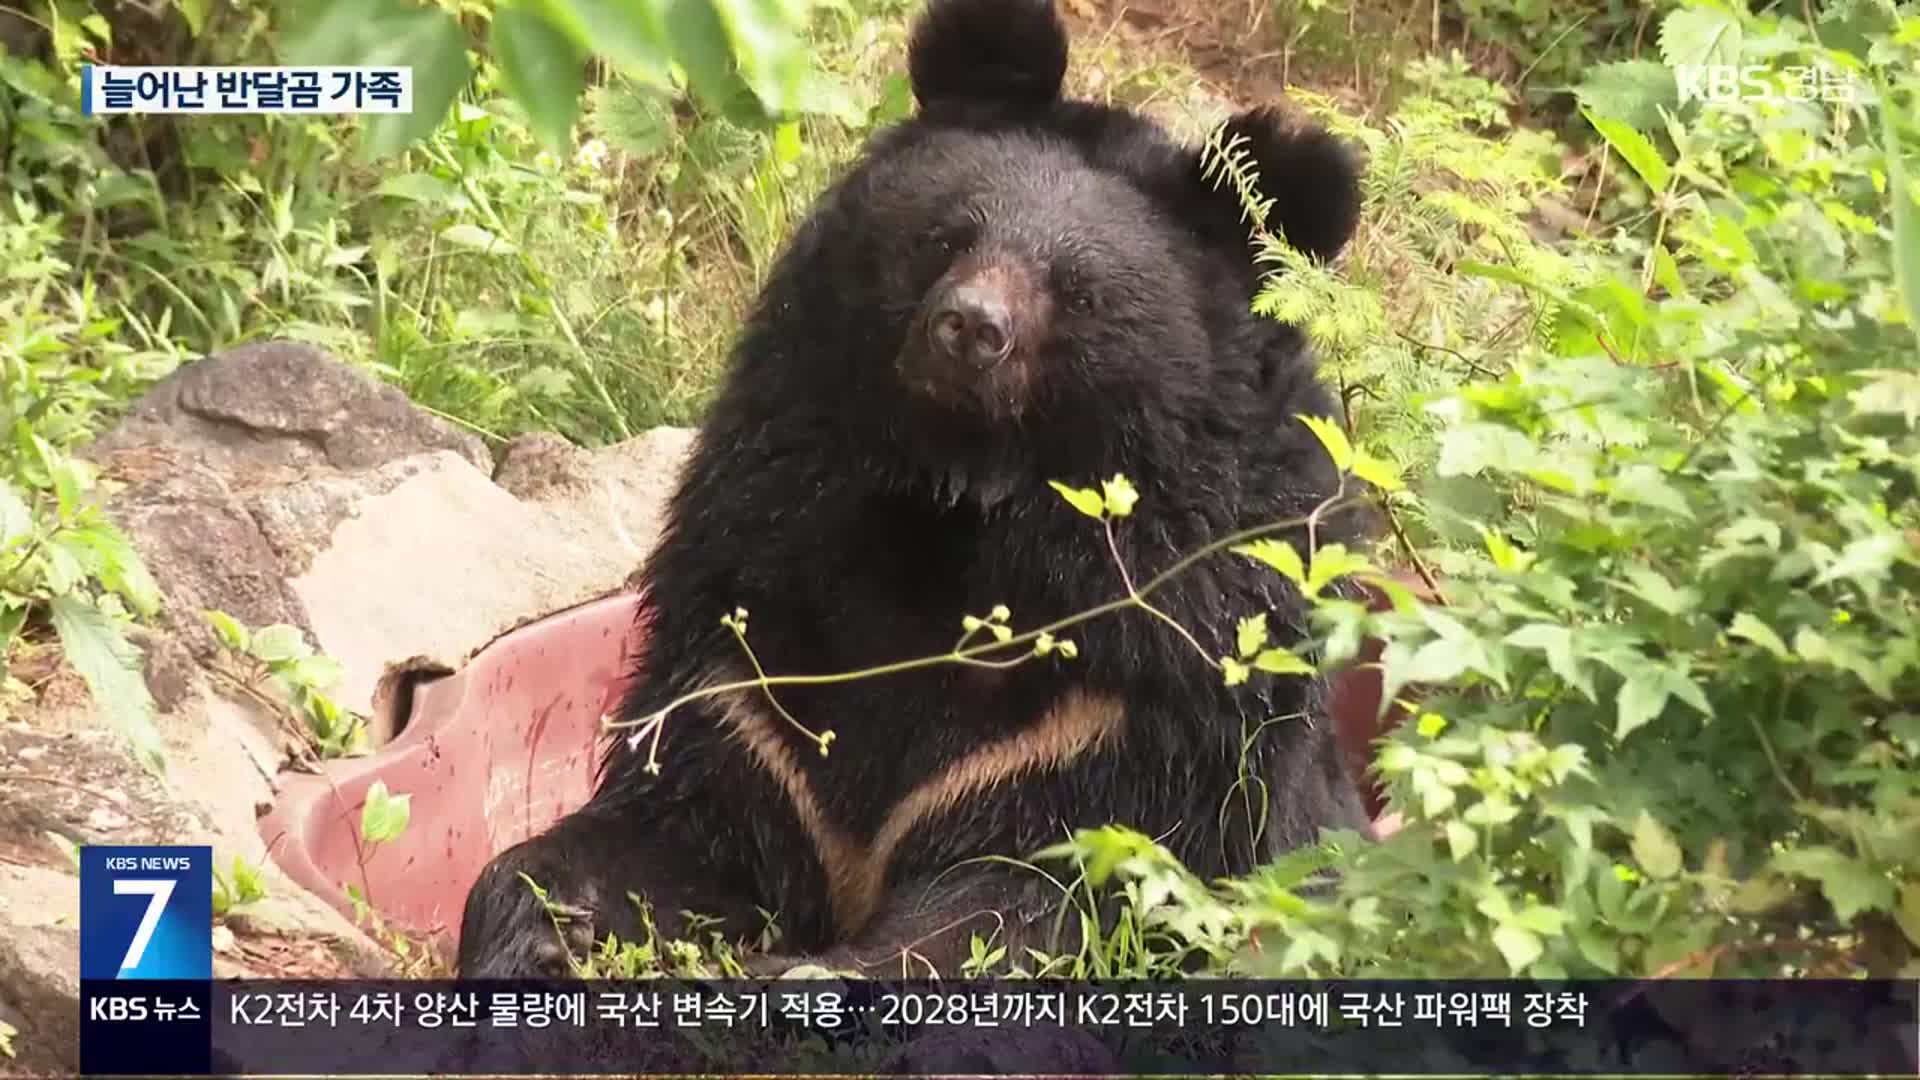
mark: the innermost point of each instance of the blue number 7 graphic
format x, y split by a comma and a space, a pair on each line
158, 891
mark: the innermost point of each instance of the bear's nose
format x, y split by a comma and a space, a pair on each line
972, 324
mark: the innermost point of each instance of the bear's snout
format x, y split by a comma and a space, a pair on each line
971, 323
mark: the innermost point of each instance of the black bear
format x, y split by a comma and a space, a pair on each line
1007, 289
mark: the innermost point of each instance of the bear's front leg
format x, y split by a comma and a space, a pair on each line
593, 865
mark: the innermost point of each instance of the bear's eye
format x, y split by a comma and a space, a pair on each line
1080, 302
943, 240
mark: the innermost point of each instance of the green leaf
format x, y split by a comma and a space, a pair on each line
1331, 562
1635, 148
1655, 589
1520, 947
1379, 472
1598, 948
1334, 439
195, 12
1849, 884
1279, 555
384, 815
1890, 393
232, 635
432, 42
1085, 500
1282, 662
700, 44
1630, 91
629, 33
542, 68
1250, 635
1647, 486
1119, 496
1461, 840
1749, 628
1906, 216
16, 518
1699, 35
1235, 671
279, 642
1654, 848
475, 238
1557, 643
1642, 699
111, 666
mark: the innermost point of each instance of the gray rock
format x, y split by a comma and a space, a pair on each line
279, 485
542, 465
285, 404
40, 997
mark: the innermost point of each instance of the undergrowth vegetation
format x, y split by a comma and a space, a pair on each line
1656, 450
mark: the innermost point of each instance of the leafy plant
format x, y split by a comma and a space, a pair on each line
744, 57
235, 890
279, 655
64, 566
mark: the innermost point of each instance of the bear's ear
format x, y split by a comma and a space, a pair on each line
1309, 179
1000, 52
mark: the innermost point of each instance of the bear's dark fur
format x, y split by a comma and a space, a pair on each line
1007, 289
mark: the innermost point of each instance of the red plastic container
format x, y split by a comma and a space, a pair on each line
490, 755
497, 751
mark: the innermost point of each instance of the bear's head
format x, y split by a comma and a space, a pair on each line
1030, 273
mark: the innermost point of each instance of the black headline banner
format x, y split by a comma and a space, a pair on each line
817, 1027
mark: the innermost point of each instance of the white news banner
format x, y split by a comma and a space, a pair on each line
318, 90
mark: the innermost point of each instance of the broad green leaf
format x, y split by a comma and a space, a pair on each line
109, 557
1279, 555
542, 68
1461, 840
1281, 662
1648, 486
701, 45
1654, 848
1334, 439
111, 665
1557, 643
1599, 948
1630, 91
1085, 500
1520, 947
1894, 393
1330, 563
1699, 35
1641, 700
384, 816
279, 642
1749, 628
630, 33
195, 12
1655, 589
1377, 471
1639, 152
435, 46
1235, 671
1849, 884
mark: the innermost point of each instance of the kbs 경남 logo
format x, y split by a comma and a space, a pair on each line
146, 912
1756, 82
